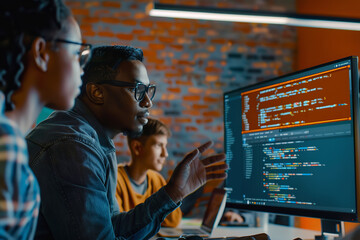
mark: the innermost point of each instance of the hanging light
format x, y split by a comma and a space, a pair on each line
235, 15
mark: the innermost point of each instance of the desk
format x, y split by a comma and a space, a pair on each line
276, 232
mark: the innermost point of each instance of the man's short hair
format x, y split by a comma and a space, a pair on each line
153, 127
105, 61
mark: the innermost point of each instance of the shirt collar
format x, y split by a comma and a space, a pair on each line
105, 141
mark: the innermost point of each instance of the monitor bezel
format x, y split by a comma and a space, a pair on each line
323, 214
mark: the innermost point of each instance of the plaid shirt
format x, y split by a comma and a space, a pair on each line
19, 189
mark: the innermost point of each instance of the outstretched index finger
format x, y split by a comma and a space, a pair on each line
205, 146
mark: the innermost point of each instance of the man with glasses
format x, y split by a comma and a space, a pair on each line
73, 156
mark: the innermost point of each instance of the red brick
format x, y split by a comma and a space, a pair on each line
201, 56
212, 33
90, 20
259, 64
167, 1
86, 27
166, 39
155, 60
167, 81
182, 25
139, 15
127, 37
193, 32
191, 129
91, 4
225, 48
163, 104
219, 41
211, 99
169, 96
176, 128
201, 40
177, 47
106, 34
188, 69
122, 15
210, 91
110, 20
147, 38
158, 31
88, 34
157, 112
149, 53
200, 106
242, 27
176, 33
134, 6
191, 113
219, 145
182, 120
147, 24
169, 75
156, 46
223, 4
195, 90
161, 68
129, 22
174, 90
166, 25
213, 70
204, 120
166, 120
101, 12
78, 11
138, 31
211, 48
186, 83
250, 43
212, 114
111, 4
211, 78
191, 98
189, 2
73, 4
203, 25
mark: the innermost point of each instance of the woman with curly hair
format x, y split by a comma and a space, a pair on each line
40, 52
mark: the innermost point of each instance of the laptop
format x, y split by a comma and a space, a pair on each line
211, 219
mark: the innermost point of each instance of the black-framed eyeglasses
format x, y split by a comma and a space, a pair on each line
84, 52
139, 88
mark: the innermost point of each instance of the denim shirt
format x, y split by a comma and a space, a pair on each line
75, 163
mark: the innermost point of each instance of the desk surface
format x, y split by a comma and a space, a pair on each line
276, 232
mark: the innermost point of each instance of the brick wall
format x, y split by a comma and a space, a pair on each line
192, 62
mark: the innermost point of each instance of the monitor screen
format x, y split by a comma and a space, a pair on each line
292, 143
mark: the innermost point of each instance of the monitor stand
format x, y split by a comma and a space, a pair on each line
331, 230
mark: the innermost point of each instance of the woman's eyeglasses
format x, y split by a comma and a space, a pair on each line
140, 88
84, 52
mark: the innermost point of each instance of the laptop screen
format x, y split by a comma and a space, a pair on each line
214, 210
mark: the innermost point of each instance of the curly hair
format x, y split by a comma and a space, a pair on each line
105, 61
21, 21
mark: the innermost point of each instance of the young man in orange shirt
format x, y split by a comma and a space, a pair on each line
141, 178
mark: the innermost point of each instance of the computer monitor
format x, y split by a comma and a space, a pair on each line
292, 143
